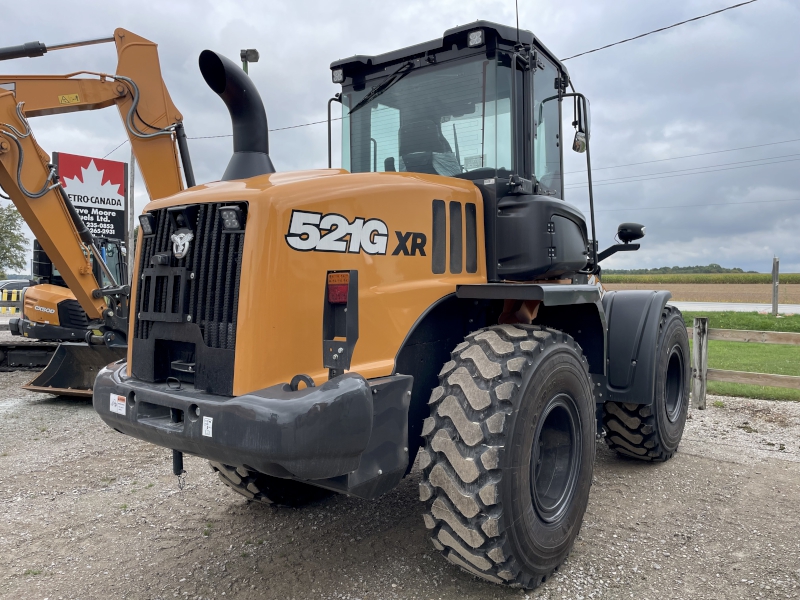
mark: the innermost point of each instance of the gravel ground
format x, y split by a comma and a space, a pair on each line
789, 293
89, 513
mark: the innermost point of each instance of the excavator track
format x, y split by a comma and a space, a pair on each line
23, 354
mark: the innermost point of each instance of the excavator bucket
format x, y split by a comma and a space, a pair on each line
73, 368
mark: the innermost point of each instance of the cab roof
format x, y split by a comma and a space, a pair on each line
495, 33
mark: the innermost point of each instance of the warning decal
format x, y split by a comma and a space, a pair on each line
118, 404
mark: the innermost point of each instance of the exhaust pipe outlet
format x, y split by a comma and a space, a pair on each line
250, 132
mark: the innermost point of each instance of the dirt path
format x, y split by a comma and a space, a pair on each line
86, 512
719, 292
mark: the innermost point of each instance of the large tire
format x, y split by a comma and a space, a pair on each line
267, 489
497, 505
653, 432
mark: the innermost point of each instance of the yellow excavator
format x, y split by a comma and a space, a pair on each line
91, 318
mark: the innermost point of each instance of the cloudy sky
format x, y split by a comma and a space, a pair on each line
716, 88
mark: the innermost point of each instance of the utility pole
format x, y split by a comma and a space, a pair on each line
130, 242
248, 55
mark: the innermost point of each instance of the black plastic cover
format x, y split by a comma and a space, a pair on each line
633, 318
535, 237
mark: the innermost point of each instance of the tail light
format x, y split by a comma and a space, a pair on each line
338, 285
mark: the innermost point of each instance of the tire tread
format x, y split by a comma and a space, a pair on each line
478, 388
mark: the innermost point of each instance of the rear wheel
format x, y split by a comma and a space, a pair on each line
653, 432
509, 453
267, 489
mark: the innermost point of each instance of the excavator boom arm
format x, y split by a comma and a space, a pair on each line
151, 121
25, 174
149, 124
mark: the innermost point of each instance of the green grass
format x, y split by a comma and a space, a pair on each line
751, 321
702, 278
32, 572
752, 358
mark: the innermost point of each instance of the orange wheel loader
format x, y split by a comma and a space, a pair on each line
320, 331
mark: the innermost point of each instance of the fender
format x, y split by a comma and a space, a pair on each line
633, 318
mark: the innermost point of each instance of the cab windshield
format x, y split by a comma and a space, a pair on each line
451, 119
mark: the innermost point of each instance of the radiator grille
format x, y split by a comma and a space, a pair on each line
211, 297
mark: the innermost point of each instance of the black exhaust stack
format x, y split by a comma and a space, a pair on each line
250, 132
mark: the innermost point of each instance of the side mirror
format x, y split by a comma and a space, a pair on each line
579, 144
630, 232
582, 123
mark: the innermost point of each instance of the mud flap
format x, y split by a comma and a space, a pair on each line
73, 368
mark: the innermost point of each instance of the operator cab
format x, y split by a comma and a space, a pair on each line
479, 105
112, 251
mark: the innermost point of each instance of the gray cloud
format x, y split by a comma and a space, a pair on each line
728, 81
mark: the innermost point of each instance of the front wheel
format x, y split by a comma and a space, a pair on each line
652, 432
509, 453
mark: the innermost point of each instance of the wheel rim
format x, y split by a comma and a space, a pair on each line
555, 458
673, 386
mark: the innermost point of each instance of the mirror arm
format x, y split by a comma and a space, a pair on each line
614, 249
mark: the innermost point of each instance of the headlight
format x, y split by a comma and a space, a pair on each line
232, 218
148, 223
475, 38
337, 75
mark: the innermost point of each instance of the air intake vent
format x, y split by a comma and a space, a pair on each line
201, 288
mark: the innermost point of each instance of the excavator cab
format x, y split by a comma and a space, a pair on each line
50, 310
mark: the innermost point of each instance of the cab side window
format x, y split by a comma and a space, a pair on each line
546, 125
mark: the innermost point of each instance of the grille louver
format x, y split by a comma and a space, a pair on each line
211, 297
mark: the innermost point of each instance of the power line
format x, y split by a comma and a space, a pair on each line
576, 186
227, 135
208, 137
647, 162
701, 169
716, 12
695, 205
115, 149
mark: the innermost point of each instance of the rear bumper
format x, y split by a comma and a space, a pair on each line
311, 434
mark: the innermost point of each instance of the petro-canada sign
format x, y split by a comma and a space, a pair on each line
99, 190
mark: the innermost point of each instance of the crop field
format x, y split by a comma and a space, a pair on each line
709, 292
752, 358
704, 278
